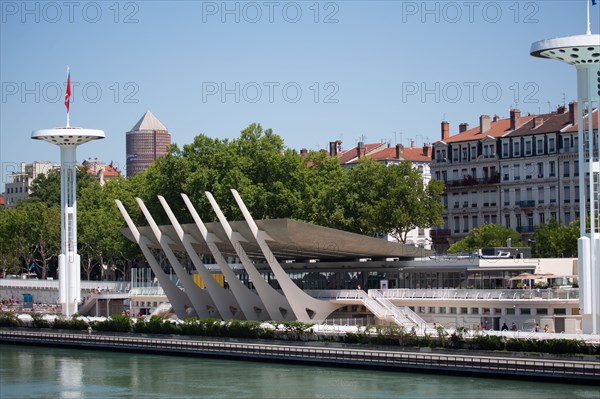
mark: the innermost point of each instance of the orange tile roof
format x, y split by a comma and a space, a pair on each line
1, 200
496, 130
416, 154
381, 152
595, 121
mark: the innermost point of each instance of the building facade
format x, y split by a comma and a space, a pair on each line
519, 172
419, 157
147, 141
18, 187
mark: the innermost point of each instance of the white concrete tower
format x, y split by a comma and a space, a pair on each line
583, 52
69, 270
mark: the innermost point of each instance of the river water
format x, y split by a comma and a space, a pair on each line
46, 372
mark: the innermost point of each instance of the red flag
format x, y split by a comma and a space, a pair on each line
68, 93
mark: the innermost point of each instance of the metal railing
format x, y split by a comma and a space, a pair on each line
401, 315
461, 294
118, 286
551, 369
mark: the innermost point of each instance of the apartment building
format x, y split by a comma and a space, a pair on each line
420, 158
18, 186
519, 171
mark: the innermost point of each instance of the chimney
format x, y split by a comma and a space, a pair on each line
412, 143
303, 151
573, 113
333, 148
361, 151
463, 127
485, 123
445, 130
537, 121
399, 151
427, 150
496, 118
561, 110
515, 116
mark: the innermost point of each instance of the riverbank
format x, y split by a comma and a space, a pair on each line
502, 365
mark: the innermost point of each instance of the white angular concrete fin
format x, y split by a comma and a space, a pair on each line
195, 215
171, 216
220, 214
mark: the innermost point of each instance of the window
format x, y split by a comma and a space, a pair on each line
542, 218
437, 175
567, 199
539, 146
507, 220
576, 194
474, 222
473, 152
517, 149
528, 147
455, 154
506, 195
566, 172
465, 224
517, 196
530, 220
553, 215
567, 217
518, 221
567, 143
542, 311
494, 219
552, 168
540, 170
517, 172
525, 311
551, 145
505, 150
505, 172
474, 310
576, 168
493, 196
464, 154
528, 171
552, 194
456, 224
540, 195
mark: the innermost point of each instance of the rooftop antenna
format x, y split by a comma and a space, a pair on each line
564, 99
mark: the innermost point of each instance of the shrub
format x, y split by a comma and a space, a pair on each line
39, 321
9, 319
115, 323
69, 324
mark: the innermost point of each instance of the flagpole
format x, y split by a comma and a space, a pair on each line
589, 29
68, 83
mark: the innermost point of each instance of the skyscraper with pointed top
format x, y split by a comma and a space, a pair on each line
147, 141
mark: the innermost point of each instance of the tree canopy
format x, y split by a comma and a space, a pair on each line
553, 240
487, 236
273, 180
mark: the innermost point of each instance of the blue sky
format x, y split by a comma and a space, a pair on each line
312, 71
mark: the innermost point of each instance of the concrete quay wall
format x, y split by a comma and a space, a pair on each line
550, 370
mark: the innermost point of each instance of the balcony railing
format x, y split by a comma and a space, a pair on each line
440, 233
526, 204
471, 181
525, 229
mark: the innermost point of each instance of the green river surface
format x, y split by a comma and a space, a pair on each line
57, 373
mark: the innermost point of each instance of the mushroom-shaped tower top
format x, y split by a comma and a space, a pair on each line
67, 136
575, 50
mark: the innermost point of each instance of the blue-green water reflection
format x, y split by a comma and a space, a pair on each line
38, 372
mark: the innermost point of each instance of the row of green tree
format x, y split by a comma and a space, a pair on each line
274, 181
551, 240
